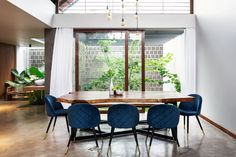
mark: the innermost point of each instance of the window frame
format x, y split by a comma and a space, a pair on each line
126, 31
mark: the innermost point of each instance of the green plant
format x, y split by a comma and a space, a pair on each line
117, 87
26, 77
35, 98
115, 69
160, 66
134, 72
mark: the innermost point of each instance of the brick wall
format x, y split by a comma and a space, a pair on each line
153, 52
36, 57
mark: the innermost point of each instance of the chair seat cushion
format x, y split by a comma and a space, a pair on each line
187, 113
62, 112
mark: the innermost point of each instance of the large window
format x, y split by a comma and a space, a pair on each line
134, 61
131, 60
30, 57
101, 58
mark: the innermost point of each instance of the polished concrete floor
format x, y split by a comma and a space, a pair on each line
22, 130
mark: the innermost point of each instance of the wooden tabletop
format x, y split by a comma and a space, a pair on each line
30, 88
102, 98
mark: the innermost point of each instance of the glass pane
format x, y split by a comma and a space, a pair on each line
134, 74
101, 58
160, 50
30, 57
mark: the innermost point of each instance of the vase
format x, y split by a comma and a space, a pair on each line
111, 92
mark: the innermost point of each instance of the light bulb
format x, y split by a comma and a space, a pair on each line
136, 15
122, 22
109, 15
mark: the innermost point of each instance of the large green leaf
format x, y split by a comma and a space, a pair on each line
27, 80
12, 84
24, 74
35, 71
15, 73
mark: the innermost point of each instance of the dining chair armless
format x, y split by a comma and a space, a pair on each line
83, 116
123, 116
162, 117
54, 109
192, 108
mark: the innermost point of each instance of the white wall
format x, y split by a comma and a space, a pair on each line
43, 10
146, 21
216, 60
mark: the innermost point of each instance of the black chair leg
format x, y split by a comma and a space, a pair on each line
149, 127
55, 120
184, 122
200, 124
67, 124
99, 130
151, 137
187, 124
135, 135
72, 137
74, 134
175, 135
95, 136
112, 132
49, 124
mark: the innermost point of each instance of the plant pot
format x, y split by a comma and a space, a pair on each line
118, 92
39, 82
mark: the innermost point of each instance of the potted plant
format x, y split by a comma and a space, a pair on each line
27, 77
118, 89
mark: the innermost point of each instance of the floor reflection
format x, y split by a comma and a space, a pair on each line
22, 130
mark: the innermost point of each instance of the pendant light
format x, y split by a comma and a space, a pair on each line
122, 19
109, 12
136, 16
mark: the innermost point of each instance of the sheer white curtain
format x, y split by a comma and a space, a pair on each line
61, 72
22, 59
189, 85
184, 64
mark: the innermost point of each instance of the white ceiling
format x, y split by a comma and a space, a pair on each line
17, 26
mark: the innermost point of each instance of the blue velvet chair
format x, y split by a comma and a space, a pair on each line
54, 109
162, 117
83, 116
193, 108
123, 116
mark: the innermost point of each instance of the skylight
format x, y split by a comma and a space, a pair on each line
144, 6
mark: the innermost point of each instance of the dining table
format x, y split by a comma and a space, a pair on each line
138, 98
141, 99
